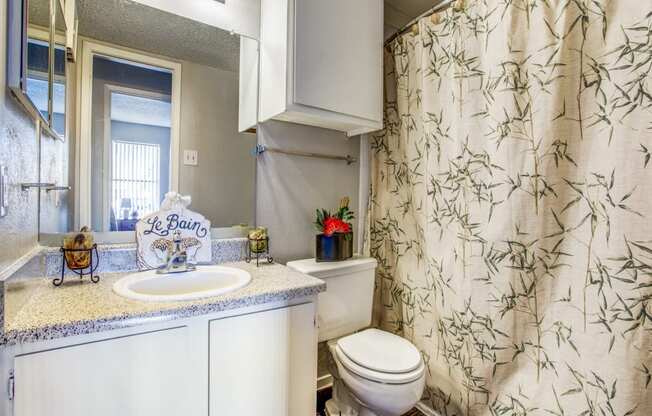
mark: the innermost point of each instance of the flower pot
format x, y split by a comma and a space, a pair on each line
336, 247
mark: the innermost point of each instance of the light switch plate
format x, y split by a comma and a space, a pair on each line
190, 158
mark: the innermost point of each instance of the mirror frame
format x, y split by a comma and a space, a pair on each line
17, 38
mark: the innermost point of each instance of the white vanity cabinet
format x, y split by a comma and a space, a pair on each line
255, 361
263, 363
135, 375
321, 63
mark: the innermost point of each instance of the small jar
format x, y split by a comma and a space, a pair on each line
258, 240
83, 242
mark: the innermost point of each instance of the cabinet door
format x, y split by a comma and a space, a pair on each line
137, 375
248, 114
264, 363
338, 56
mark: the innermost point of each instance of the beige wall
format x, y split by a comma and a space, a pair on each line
222, 186
291, 188
19, 152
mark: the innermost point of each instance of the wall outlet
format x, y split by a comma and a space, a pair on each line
190, 158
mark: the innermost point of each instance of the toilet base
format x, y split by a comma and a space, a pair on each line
344, 403
333, 410
386, 400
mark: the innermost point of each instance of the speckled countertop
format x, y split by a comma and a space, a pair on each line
35, 310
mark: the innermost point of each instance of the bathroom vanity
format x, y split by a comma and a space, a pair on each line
83, 350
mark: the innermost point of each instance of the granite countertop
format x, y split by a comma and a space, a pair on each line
35, 310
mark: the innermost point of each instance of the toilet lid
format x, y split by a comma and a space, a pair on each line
377, 376
380, 351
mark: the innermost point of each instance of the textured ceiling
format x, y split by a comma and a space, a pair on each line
134, 25
137, 26
398, 13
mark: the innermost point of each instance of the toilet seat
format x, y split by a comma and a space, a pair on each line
377, 376
380, 357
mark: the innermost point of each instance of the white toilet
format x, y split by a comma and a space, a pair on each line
378, 373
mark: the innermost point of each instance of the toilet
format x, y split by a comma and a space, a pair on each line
376, 373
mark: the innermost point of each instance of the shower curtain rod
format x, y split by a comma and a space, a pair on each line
262, 149
442, 5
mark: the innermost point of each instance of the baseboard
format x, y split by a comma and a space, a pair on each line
426, 410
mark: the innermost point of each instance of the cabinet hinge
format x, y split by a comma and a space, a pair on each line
11, 385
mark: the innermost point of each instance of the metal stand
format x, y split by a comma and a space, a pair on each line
79, 271
258, 253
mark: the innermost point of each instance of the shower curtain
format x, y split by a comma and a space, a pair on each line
511, 206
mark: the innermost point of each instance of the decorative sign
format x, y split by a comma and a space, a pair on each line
155, 233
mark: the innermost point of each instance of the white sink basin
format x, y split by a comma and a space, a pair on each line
204, 282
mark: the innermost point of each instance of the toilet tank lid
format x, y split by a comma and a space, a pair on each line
329, 269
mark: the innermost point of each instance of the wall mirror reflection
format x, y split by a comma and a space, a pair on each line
37, 80
131, 140
36, 61
155, 110
40, 84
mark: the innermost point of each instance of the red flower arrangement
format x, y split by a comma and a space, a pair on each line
335, 241
329, 224
334, 225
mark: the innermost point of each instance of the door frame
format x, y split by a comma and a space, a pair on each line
89, 49
107, 176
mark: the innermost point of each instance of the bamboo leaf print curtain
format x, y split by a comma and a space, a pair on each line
511, 206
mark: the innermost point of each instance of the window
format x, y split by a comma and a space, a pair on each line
135, 179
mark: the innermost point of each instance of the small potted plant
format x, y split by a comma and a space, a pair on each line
335, 241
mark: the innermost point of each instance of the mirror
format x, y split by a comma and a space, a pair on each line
45, 88
158, 112
35, 76
58, 75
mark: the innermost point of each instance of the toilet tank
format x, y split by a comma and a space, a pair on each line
346, 305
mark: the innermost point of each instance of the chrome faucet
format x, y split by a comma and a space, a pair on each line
177, 259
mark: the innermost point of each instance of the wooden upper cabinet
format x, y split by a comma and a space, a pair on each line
321, 63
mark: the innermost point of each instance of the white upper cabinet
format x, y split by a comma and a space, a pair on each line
247, 116
321, 63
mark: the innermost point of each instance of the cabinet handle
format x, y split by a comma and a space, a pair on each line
11, 386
